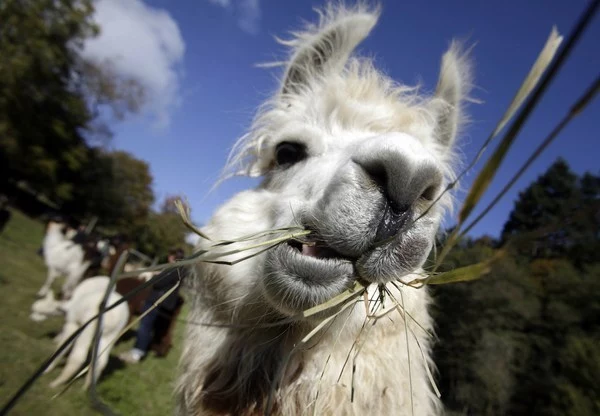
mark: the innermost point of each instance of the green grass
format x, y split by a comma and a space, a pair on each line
143, 389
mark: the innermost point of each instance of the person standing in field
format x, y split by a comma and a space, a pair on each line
165, 282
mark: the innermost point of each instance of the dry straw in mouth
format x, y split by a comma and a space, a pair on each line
535, 84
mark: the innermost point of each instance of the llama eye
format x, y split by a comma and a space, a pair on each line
288, 153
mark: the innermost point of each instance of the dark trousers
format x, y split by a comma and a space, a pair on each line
145, 332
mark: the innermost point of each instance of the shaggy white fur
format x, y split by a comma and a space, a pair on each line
45, 307
354, 157
63, 258
83, 305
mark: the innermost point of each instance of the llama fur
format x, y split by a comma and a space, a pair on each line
63, 258
370, 144
82, 306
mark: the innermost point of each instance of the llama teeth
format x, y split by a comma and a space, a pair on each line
309, 250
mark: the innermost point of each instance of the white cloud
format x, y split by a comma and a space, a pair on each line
144, 43
249, 16
222, 3
248, 12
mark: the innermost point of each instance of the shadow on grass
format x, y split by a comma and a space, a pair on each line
52, 333
131, 334
114, 364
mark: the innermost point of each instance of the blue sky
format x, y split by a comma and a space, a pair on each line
219, 86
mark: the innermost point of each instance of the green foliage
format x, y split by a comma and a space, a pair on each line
474, 354
524, 340
164, 230
568, 206
580, 364
50, 98
50, 105
550, 197
117, 188
41, 116
129, 191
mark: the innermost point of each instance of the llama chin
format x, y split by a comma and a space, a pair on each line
355, 158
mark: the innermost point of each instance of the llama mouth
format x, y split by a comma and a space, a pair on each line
317, 249
300, 275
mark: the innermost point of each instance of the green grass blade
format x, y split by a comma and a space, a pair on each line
533, 77
531, 80
489, 170
464, 274
575, 110
353, 292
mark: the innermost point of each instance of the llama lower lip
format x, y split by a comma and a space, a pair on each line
295, 282
316, 252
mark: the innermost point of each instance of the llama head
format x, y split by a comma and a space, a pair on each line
56, 227
352, 156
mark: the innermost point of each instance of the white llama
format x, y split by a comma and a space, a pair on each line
354, 157
63, 257
82, 306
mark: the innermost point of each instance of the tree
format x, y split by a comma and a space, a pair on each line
164, 230
524, 339
116, 187
49, 96
479, 326
562, 352
40, 116
566, 207
586, 245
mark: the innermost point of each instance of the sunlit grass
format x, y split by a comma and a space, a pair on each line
144, 389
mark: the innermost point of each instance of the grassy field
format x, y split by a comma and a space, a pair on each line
144, 389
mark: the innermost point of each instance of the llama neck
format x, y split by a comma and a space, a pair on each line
243, 382
53, 236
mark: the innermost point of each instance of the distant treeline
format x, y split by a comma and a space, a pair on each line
55, 108
525, 339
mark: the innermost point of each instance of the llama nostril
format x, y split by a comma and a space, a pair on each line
392, 222
429, 193
377, 174
402, 181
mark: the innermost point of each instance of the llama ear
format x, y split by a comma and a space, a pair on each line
452, 90
327, 46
